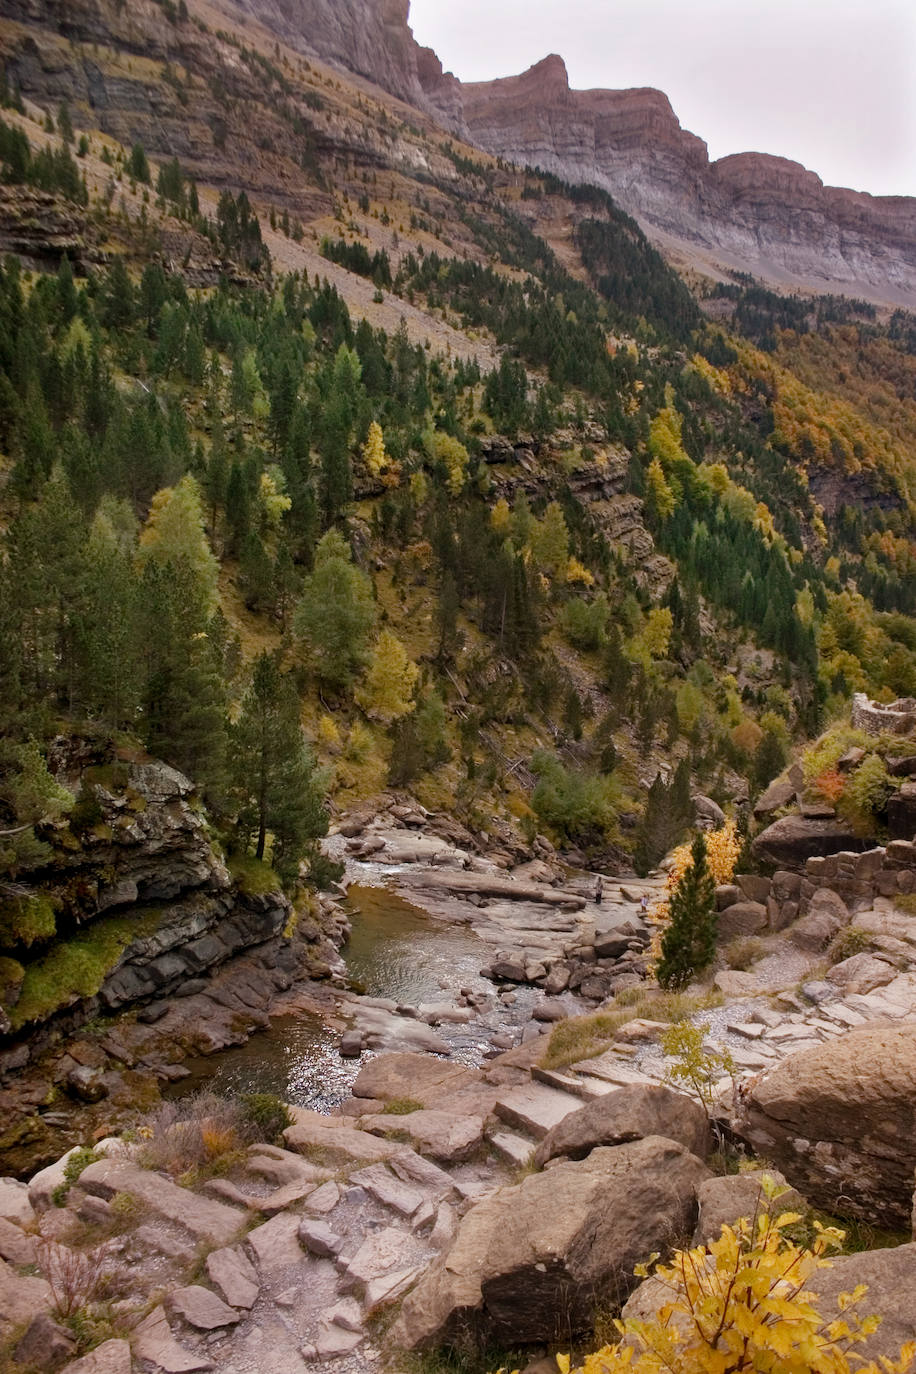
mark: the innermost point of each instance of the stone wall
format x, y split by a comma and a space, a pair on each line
753, 904
896, 718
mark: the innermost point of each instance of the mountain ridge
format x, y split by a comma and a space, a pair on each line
754, 212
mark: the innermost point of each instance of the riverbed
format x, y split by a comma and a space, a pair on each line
397, 952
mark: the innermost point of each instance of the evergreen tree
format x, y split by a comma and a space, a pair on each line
689, 940
275, 779
336, 613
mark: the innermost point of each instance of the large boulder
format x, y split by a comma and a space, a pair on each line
840, 1121
630, 1113
529, 1263
794, 839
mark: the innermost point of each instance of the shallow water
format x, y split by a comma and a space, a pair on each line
395, 951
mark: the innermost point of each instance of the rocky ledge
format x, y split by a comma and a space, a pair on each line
146, 924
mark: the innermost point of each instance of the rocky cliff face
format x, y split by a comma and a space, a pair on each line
751, 211
765, 214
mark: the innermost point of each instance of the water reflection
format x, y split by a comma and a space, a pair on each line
395, 951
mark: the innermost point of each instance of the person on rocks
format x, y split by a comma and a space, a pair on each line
599, 890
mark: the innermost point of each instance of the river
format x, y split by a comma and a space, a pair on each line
395, 951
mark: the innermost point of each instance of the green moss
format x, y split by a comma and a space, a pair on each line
253, 876
401, 1106
78, 967
25, 920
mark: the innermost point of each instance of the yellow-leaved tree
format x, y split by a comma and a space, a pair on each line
746, 1304
174, 531
387, 691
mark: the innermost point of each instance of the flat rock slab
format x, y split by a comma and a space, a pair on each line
535, 1108
232, 1273
415, 1076
21, 1298
276, 1244
515, 1149
205, 1218
112, 1357
344, 1146
334, 1342
201, 1308
609, 1068
379, 1253
445, 1136
391, 1192
323, 1200
153, 1342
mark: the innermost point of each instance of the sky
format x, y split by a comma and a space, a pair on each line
829, 83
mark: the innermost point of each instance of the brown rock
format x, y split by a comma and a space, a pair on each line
776, 796
861, 973
826, 916
723, 1201
742, 918
793, 839
891, 1279
839, 1120
112, 1357
45, 1345
417, 1076
201, 1308
528, 1262
446, 1136
630, 1113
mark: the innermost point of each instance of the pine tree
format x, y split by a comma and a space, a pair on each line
275, 779
689, 940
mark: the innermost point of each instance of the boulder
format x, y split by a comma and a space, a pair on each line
529, 1262
742, 918
753, 887
839, 1120
776, 796
630, 1113
709, 814
793, 839
202, 1309
891, 1279
154, 1344
861, 973
232, 1273
44, 1345
901, 812
723, 1201
826, 916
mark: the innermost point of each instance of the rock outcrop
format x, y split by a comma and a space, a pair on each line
840, 1121
529, 1262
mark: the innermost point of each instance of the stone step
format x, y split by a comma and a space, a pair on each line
610, 1068
586, 1088
535, 1108
514, 1149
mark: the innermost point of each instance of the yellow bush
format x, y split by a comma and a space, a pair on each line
745, 1304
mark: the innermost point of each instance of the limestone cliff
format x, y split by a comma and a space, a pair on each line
751, 211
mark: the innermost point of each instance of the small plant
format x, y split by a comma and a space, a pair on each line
743, 951
267, 1116
848, 942
75, 1277
692, 1064
81, 1158
402, 1106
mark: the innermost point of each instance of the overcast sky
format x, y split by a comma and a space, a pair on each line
830, 83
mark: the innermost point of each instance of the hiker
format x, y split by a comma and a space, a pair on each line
599, 891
